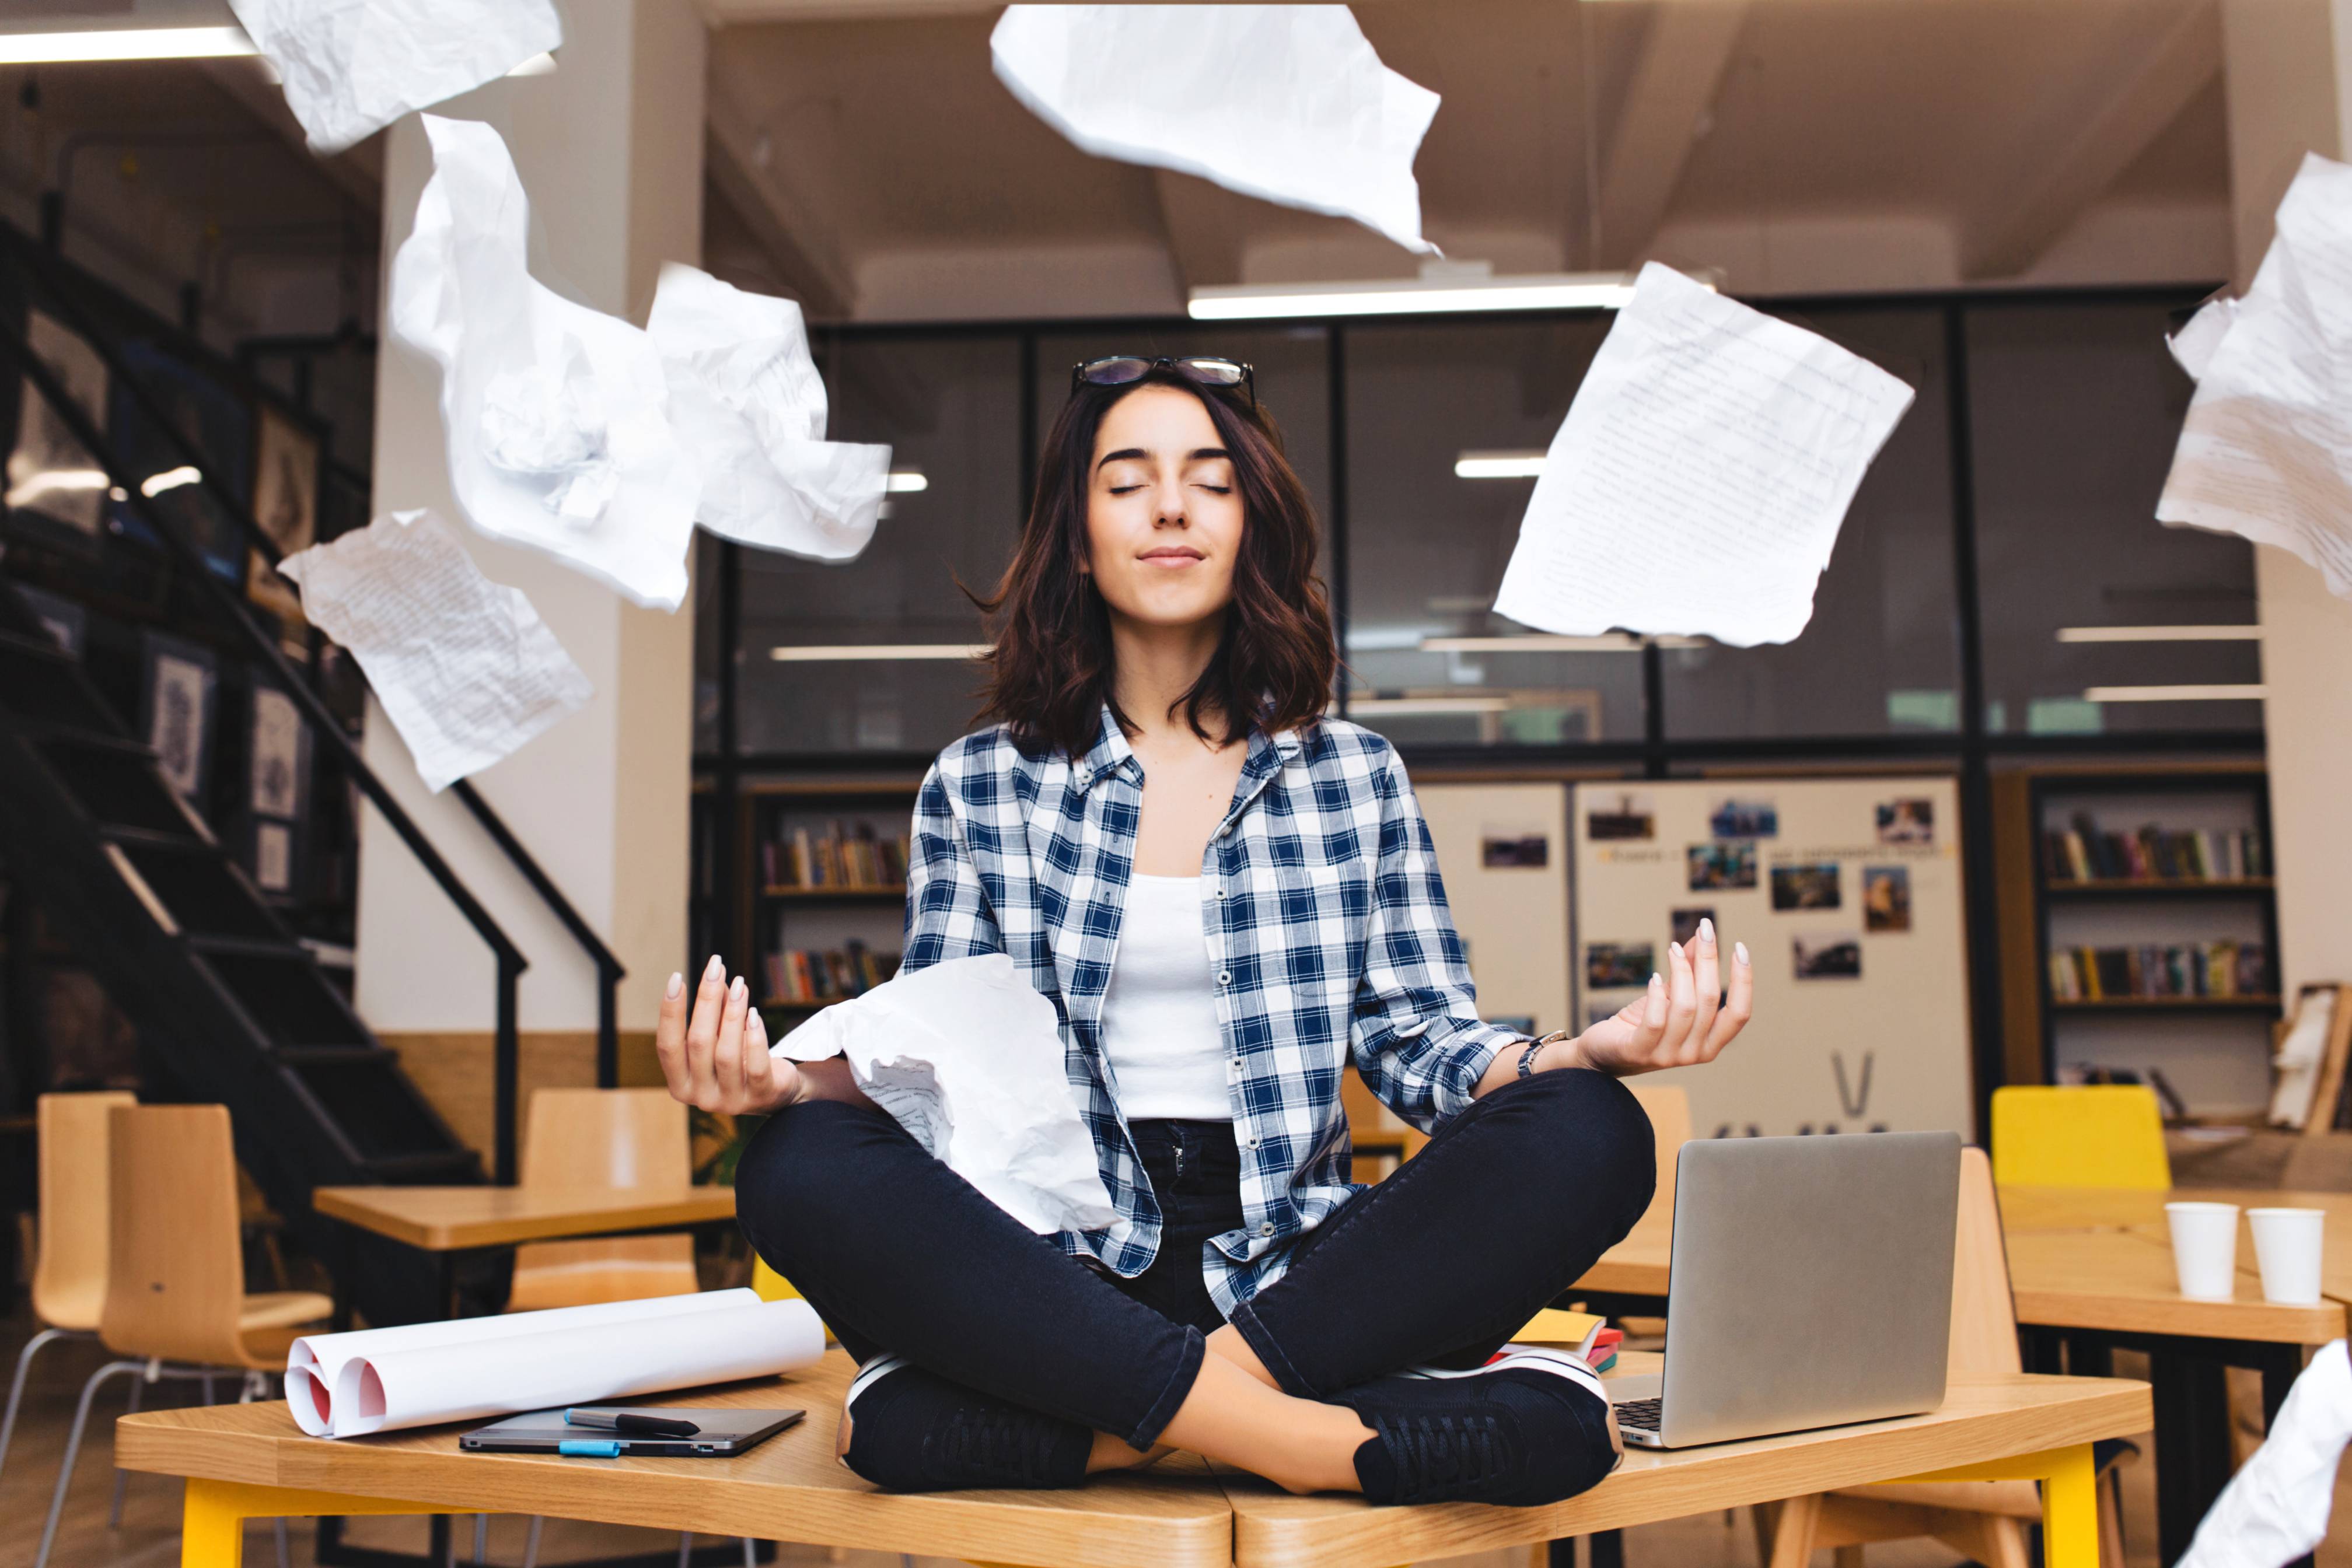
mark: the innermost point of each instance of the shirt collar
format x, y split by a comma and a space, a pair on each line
1111, 754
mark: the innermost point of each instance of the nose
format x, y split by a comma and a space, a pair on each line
1168, 504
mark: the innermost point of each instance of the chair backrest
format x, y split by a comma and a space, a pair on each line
2092, 1135
69, 1277
1984, 1313
175, 1269
607, 1138
1668, 1108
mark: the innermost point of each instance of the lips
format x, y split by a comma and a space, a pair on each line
1173, 554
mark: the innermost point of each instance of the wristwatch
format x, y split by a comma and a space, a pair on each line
1527, 1056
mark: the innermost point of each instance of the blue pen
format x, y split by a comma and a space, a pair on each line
589, 1448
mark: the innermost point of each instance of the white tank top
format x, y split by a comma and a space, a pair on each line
1166, 1051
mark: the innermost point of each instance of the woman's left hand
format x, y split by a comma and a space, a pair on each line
1686, 1018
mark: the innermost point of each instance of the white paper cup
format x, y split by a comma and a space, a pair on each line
2205, 1248
2288, 1243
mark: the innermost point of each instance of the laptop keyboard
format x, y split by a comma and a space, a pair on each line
1641, 1413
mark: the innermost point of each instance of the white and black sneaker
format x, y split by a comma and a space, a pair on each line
1531, 1427
913, 1430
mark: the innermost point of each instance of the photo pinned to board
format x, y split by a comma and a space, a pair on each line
1627, 816
1726, 863
1908, 820
1733, 818
1609, 965
1886, 898
1683, 924
1807, 886
1828, 956
1513, 849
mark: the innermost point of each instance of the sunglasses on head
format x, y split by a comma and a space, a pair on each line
1124, 369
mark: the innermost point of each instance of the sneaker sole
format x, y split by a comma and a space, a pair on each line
1535, 1358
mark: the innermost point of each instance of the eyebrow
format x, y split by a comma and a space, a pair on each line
1136, 454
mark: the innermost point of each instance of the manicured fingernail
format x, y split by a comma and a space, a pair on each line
1707, 933
1656, 981
736, 990
676, 984
713, 969
1740, 951
1674, 949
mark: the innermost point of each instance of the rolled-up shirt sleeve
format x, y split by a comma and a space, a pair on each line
1417, 1037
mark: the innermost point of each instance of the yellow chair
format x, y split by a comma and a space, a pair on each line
2094, 1135
769, 1285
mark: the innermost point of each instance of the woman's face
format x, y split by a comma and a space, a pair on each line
1163, 514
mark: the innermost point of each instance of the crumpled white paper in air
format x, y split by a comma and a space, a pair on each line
746, 399
2275, 1507
2266, 449
968, 1057
1701, 475
466, 669
2192, 347
350, 68
1287, 103
557, 416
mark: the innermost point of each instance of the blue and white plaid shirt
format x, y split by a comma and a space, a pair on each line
1327, 929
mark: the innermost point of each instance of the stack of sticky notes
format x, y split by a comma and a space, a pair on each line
1589, 1336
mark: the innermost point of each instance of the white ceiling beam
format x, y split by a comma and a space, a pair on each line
748, 167
1685, 55
2159, 60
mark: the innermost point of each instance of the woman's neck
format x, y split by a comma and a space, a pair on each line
1154, 666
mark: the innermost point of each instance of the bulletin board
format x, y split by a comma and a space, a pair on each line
1501, 849
1847, 893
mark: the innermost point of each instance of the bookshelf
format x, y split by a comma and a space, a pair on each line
2140, 928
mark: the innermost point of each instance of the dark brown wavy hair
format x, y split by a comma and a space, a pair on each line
1050, 671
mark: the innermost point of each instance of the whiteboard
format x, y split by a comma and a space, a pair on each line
1847, 893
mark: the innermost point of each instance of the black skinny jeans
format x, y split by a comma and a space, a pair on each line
1510, 1202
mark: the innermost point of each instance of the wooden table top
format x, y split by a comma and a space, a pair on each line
446, 1218
1177, 1514
2093, 1258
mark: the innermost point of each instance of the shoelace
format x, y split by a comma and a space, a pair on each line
1436, 1454
1009, 1444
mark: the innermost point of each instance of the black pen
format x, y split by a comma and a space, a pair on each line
631, 1422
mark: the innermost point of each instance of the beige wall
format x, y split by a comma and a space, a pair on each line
610, 149
2287, 63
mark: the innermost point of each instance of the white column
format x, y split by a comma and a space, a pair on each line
610, 151
2287, 64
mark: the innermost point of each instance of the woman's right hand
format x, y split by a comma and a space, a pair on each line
717, 1059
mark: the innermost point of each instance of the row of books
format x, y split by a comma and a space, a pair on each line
2222, 968
2084, 854
839, 857
813, 974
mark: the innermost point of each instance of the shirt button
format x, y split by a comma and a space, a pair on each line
1224, 976
1266, 1229
1250, 1142
1221, 893
1233, 1070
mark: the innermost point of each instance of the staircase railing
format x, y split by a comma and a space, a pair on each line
61, 288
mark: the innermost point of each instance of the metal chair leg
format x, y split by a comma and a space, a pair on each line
685, 1548
16, 1387
114, 1508
73, 1450
481, 1540
751, 1552
530, 1542
285, 1552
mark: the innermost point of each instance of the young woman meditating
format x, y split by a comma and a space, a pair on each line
1227, 897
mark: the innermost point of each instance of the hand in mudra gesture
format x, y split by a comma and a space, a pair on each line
1685, 1017
715, 1059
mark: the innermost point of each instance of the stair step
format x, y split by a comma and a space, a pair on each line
40, 645
120, 789
249, 946
101, 740
165, 844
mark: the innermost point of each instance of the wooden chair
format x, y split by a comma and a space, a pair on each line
70, 1274
175, 1270
2090, 1135
603, 1138
1981, 1519
1668, 1107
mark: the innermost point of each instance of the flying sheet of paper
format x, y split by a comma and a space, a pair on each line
2266, 450
2192, 347
969, 1057
557, 416
380, 1380
466, 669
2275, 1507
1700, 477
1287, 103
747, 401
350, 68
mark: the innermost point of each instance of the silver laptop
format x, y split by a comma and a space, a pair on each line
1811, 1286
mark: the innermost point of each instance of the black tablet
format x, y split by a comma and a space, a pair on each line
720, 1433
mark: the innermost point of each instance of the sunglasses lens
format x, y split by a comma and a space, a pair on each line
1213, 372
1114, 372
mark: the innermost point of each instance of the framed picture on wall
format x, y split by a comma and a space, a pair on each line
48, 471
281, 753
284, 502
177, 711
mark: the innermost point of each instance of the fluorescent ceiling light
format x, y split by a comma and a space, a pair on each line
906, 480
1498, 464
2174, 694
155, 485
1429, 705
54, 479
1407, 296
2159, 634
123, 44
853, 653
1606, 642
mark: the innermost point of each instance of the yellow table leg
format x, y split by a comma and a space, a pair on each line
2070, 1498
212, 1520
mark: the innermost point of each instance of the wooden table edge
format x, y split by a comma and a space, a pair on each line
668, 1210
